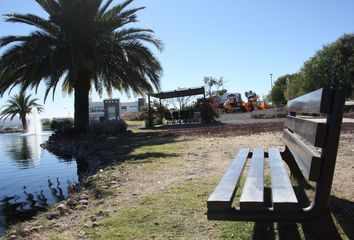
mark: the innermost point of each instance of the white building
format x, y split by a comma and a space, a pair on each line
99, 112
96, 111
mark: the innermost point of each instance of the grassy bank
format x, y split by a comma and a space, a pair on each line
160, 192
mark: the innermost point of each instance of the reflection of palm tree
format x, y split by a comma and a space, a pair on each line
21, 105
21, 153
86, 43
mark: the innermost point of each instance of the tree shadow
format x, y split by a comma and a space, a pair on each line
116, 151
146, 157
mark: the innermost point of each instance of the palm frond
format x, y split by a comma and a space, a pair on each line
114, 11
50, 6
104, 8
33, 20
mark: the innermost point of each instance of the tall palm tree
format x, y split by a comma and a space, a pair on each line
87, 43
20, 105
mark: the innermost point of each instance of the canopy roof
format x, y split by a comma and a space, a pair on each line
182, 92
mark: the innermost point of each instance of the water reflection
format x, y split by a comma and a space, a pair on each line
31, 178
57, 191
35, 142
17, 208
20, 153
26, 151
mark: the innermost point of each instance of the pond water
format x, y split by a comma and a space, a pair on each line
31, 178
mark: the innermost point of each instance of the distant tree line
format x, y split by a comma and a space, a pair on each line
331, 66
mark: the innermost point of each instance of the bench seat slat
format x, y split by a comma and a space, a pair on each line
253, 191
307, 159
283, 195
224, 193
314, 132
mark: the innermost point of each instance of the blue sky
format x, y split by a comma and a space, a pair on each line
243, 41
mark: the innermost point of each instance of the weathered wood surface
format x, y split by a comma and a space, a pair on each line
318, 101
314, 132
283, 196
253, 191
307, 159
224, 193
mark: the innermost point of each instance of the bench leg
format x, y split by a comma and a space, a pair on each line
323, 227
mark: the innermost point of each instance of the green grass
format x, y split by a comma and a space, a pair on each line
177, 213
180, 213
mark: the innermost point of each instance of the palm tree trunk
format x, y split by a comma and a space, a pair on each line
81, 104
24, 123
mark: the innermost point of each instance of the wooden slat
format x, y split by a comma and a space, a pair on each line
283, 195
224, 193
314, 132
253, 191
307, 159
314, 102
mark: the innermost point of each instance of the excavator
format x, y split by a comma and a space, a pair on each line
232, 102
254, 103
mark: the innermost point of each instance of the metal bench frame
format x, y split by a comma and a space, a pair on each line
301, 161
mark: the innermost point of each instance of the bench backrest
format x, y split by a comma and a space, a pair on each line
321, 134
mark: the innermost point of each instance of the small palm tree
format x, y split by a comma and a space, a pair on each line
21, 105
86, 44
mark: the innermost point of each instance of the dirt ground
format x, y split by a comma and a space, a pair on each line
187, 154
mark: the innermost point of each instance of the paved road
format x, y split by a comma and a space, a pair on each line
245, 118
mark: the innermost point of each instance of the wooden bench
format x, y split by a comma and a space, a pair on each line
301, 136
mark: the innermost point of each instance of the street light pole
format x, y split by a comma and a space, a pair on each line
271, 81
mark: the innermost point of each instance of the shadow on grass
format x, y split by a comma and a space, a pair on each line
263, 230
100, 154
146, 157
284, 231
343, 212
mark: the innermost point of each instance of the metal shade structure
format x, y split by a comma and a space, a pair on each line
182, 92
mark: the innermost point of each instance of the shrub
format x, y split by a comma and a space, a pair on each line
63, 127
113, 127
156, 115
207, 112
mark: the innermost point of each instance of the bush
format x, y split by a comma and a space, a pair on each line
114, 127
207, 112
62, 127
156, 115
148, 123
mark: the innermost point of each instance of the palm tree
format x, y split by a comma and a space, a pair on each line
87, 43
21, 105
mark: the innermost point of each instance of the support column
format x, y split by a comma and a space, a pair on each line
149, 111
